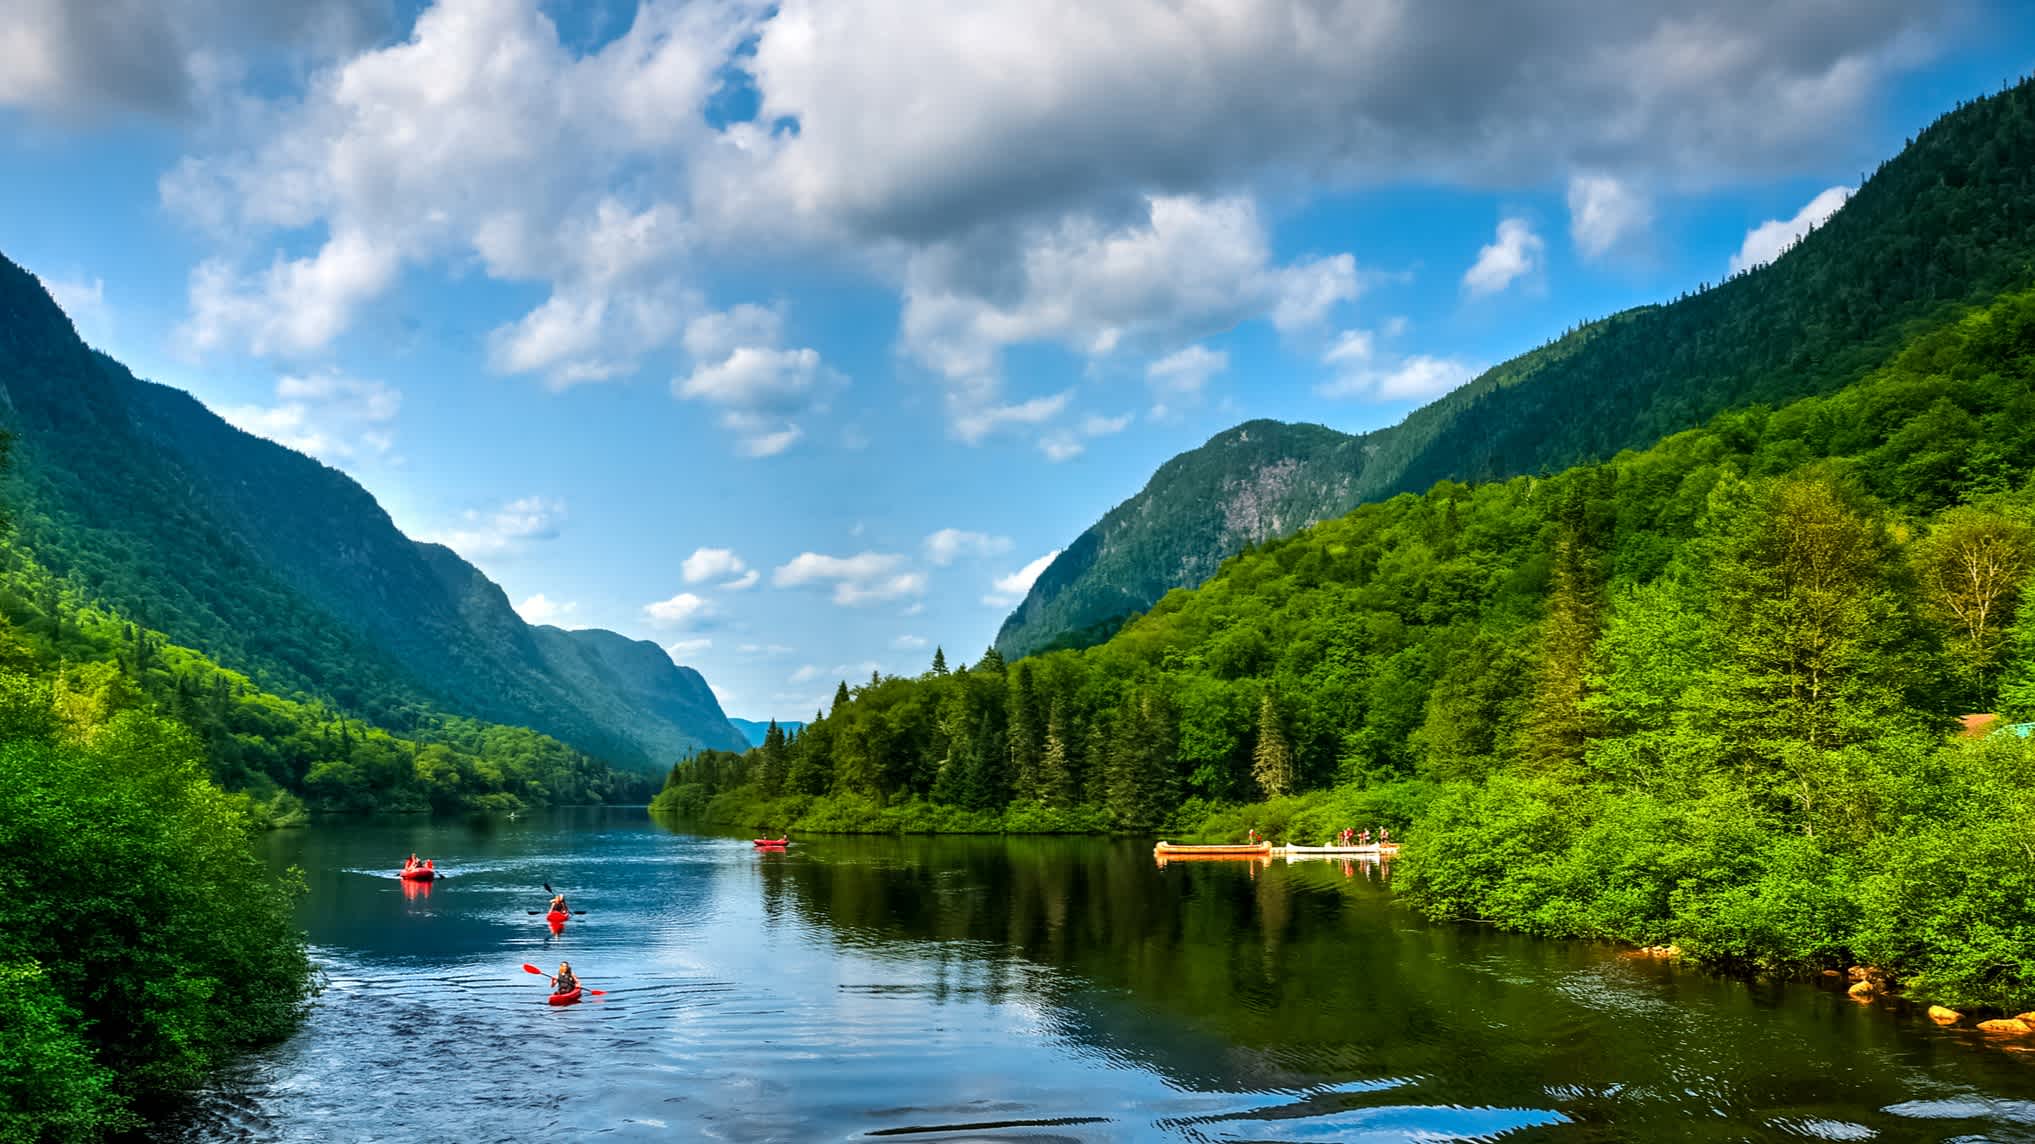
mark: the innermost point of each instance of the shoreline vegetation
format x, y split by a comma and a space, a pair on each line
1700, 696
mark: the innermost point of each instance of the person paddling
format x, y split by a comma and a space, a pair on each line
558, 905
564, 982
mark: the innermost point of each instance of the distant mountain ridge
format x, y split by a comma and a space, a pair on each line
1951, 220
754, 730
280, 566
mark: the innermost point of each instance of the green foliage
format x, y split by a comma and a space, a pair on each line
1942, 224
141, 942
1696, 694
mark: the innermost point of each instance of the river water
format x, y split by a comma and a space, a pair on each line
1025, 989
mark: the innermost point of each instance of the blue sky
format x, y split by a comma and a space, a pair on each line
793, 336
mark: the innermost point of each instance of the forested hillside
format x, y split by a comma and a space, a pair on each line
1949, 221
273, 564
1698, 693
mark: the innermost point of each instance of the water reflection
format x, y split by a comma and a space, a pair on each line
978, 988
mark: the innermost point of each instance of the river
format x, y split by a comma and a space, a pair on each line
1025, 989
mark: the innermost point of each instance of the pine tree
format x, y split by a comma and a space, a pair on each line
840, 696
992, 660
1022, 724
1272, 758
772, 760
1056, 772
812, 763
939, 660
1557, 726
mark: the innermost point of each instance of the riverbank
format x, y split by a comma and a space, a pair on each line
1939, 904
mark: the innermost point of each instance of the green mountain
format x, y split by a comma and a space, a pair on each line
1951, 220
279, 566
754, 731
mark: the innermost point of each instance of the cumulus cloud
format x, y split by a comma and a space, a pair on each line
1036, 106
1181, 376
1061, 171
973, 424
1361, 370
541, 609
864, 578
680, 610
79, 59
503, 531
337, 419
1007, 590
763, 392
682, 650
713, 564
1065, 444
481, 139
1770, 239
1172, 270
951, 544
1605, 212
1514, 254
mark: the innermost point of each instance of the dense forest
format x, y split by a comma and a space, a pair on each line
1948, 222
1699, 694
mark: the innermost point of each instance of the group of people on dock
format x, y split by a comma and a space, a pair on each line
1347, 836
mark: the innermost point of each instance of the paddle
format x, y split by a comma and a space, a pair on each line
529, 968
549, 890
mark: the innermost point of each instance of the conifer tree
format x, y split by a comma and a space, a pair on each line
939, 660
1056, 771
1272, 757
1022, 724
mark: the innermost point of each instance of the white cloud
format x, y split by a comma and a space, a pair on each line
1176, 269
1042, 107
76, 58
1514, 254
503, 531
910, 643
1604, 212
1770, 239
1308, 290
1069, 443
761, 390
1412, 377
681, 650
337, 419
742, 583
480, 140
951, 544
711, 564
865, 578
678, 611
1008, 590
770, 651
976, 423
806, 673
296, 306
83, 302
1186, 372
541, 609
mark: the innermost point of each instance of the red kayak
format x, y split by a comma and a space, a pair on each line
557, 917
571, 998
419, 874
772, 843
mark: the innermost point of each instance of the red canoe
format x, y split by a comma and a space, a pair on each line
557, 917
571, 998
772, 843
419, 874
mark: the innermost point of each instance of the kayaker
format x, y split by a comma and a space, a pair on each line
1384, 836
565, 982
558, 905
